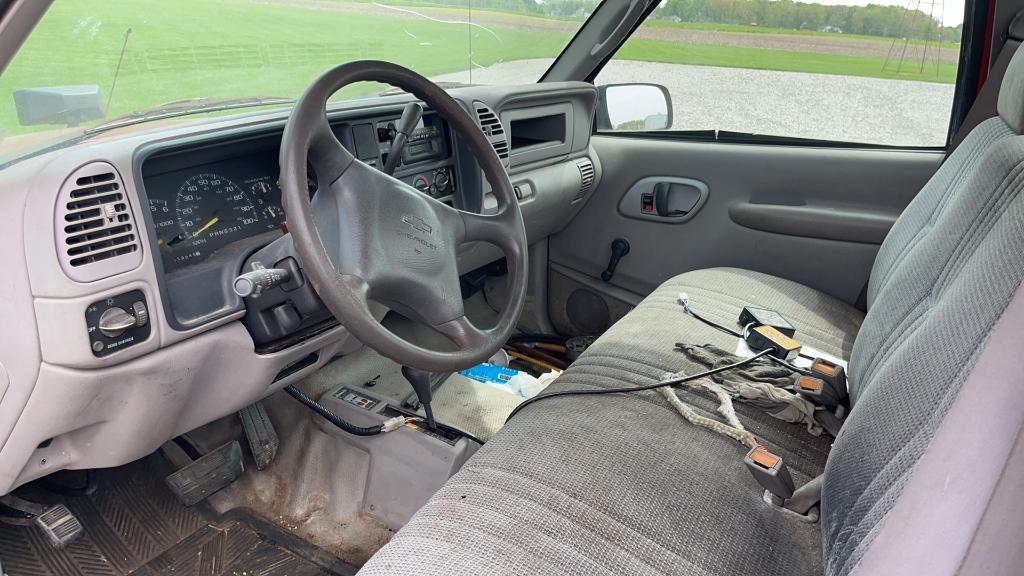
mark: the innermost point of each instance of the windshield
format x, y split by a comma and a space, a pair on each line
92, 61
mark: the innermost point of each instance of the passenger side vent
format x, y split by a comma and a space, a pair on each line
586, 166
95, 229
491, 126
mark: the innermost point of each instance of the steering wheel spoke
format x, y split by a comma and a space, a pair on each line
485, 228
464, 333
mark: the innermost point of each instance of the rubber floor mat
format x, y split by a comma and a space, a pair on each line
134, 525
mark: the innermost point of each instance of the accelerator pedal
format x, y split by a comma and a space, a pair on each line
60, 525
205, 476
260, 433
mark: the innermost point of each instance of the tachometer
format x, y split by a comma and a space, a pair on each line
165, 223
210, 205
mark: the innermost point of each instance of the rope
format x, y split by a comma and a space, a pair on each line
736, 432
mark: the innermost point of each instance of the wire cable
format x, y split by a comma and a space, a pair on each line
743, 336
714, 325
791, 367
371, 430
331, 416
661, 384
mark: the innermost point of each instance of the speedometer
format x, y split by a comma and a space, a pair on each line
210, 205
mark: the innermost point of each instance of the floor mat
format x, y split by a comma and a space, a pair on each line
134, 525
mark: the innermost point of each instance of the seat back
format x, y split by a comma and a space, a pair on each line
943, 279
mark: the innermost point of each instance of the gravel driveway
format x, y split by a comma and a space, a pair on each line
823, 106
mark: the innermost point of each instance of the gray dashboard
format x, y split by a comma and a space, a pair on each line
63, 404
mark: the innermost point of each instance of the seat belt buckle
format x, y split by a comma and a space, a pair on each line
810, 387
771, 472
834, 377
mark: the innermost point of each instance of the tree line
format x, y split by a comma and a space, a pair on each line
919, 19
870, 20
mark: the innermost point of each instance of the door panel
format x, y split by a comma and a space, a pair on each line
813, 215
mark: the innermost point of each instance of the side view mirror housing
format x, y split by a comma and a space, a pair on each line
70, 105
633, 107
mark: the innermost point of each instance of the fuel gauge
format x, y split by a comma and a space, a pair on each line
273, 213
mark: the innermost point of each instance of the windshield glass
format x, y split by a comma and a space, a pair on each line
91, 61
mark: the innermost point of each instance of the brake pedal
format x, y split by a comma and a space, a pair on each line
60, 525
205, 476
260, 433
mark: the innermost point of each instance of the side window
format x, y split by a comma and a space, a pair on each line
875, 74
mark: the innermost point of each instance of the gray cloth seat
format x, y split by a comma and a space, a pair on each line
525, 470
620, 484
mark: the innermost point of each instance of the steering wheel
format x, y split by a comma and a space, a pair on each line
366, 236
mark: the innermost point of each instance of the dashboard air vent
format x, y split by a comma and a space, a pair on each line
95, 228
491, 126
586, 167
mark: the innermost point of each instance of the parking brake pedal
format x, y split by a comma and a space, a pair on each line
205, 476
60, 526
260, 433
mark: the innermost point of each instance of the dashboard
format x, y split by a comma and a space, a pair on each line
123, 328
214, 203
205, 200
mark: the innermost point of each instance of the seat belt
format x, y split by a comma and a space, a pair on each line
985, 105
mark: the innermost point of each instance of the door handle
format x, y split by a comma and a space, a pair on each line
666, 199
674, 200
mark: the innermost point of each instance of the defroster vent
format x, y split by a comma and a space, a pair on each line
96, 232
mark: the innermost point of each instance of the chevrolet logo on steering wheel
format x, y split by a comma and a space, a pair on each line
417, 224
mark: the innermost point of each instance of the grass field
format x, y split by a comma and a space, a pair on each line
229, 48
764, 59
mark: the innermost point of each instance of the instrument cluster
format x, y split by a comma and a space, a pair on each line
201, 209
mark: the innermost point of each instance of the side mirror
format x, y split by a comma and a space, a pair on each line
69, 105
633, 107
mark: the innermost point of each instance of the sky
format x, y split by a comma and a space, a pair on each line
952, 10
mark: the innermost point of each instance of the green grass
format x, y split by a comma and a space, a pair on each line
235, 48
228, 48
786, 61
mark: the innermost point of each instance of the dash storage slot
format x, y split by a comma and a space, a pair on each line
539, 132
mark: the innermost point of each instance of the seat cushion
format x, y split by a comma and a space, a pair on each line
620, 484
719, 294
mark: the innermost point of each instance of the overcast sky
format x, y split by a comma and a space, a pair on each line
952, 10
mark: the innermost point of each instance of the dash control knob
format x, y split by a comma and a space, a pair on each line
114, 321
422, 184
441, 181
